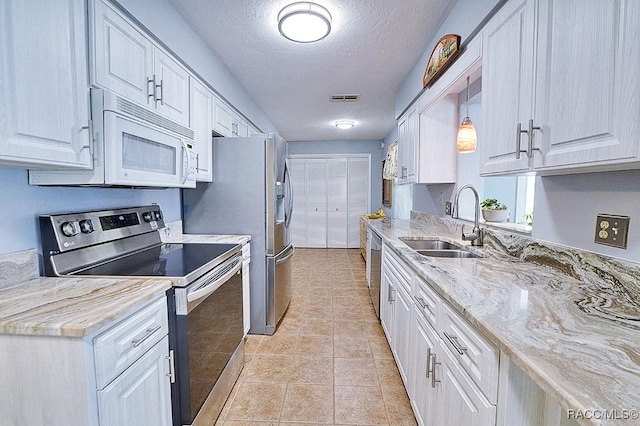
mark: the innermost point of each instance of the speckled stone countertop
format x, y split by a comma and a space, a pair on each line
73, 307
569, 319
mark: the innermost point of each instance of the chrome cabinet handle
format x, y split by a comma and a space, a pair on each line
172, 367
160, 86
390, 297
519, 133
149, 333
433, 371
456, 344
530, 147
421, 302
151, 93
428, 362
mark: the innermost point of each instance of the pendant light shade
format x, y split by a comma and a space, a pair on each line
304, 22
467, 137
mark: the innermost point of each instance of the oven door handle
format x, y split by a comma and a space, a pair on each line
209, 288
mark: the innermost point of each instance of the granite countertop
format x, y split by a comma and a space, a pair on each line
569, 321
73, 307
77, 307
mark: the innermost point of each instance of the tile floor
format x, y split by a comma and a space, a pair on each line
328, 362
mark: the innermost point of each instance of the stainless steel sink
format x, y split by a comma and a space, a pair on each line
429, 244
447, 253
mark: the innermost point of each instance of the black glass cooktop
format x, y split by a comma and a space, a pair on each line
165, 260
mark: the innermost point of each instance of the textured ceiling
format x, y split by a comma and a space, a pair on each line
371, 48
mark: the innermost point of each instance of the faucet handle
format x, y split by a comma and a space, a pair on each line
469, 237
475, 236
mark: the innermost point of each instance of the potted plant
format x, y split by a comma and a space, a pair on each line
493, 210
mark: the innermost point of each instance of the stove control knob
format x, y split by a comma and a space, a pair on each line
147, 216
157, 215
86, 227
69, 229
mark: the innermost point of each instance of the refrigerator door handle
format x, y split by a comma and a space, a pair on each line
287, 178
284, 259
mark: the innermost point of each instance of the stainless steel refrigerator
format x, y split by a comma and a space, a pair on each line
250, 194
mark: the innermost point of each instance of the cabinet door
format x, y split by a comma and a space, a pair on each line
172, 88
358, 204
141, 395
337, 204
423, 394
410, 145
587, 87
201, 120
122, 57
387, 297
44, 102
316, 203
298, 171
460, 401
242, 128
402, 333
507, 87
222, 118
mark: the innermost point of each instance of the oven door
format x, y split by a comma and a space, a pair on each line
207, 338
138, 154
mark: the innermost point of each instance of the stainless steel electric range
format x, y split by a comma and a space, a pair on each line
205, 303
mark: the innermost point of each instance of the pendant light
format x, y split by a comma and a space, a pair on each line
467, 136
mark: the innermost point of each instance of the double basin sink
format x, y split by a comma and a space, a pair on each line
436, 248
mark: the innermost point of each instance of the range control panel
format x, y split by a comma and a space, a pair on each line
70, 231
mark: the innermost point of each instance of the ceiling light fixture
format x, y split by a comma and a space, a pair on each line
304, 22
467, 136
344, 124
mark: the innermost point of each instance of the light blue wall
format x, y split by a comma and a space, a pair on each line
169, 27
463, 19
23, 203
349, 147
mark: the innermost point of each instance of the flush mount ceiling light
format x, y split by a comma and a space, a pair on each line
344, 124
304, 22
467, 136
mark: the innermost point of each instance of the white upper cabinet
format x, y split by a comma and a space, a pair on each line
407, 137
561, 78
201, 121
127, 62
44, 100
222, 118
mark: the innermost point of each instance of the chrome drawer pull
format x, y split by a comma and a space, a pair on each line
421, 302
150, 332
454, 341
433, 371
428, 362
172, 368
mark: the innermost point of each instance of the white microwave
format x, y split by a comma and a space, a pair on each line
132, 147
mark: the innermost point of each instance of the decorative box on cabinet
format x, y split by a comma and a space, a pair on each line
44, 95
126, 61
560, 87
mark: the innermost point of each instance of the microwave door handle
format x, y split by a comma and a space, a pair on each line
187, 165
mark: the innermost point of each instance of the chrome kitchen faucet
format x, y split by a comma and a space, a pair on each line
476, 236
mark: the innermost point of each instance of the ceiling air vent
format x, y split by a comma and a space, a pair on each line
345, 98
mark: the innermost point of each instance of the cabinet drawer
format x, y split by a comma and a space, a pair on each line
400, 269
476, 355
428, 303
121, 345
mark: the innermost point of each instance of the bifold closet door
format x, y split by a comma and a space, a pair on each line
298, 169
316, 184
358, 200
337, 203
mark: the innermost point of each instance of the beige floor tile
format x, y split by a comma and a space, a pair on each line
288, 325
251, 343
396, 401
315, 346
388, 373
243, 423
318, 312
269, 368
283, 344
312, 370
257, 401
316, 327
343, 327
308, 403
380, 347
355, 372
374, 328
350, 313
351, 347
359, 405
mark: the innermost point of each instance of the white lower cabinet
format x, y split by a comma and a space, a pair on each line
118, 376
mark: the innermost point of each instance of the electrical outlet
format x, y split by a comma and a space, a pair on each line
612, 230
447, 208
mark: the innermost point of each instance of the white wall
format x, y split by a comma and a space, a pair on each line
349, 147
